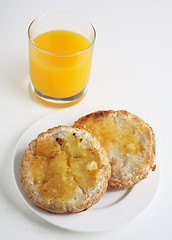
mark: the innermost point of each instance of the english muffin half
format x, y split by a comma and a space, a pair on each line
65, 170
129, 142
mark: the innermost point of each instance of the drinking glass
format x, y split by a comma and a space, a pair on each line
60, 77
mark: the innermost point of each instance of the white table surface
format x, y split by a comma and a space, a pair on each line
131, 70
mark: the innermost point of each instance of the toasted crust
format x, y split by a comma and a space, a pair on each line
81, 199
127, 169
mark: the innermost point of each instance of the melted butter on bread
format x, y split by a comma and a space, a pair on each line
61, 165
129, 142
111, 134
91, 166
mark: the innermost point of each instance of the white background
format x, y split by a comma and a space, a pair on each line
131, 70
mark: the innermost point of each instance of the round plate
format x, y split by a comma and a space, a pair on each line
115, 207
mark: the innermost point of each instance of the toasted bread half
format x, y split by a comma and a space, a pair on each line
129, 142
65, 170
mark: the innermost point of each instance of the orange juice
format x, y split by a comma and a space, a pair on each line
60, 63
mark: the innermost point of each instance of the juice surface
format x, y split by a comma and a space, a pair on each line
58, 67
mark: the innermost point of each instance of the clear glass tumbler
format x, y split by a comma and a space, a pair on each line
60, 55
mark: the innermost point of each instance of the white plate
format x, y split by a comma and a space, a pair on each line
114, 209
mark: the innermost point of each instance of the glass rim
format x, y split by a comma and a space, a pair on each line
58, 54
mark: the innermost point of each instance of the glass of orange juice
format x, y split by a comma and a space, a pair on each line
60, 55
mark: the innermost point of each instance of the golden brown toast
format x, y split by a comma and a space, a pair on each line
65, 170
129, 142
